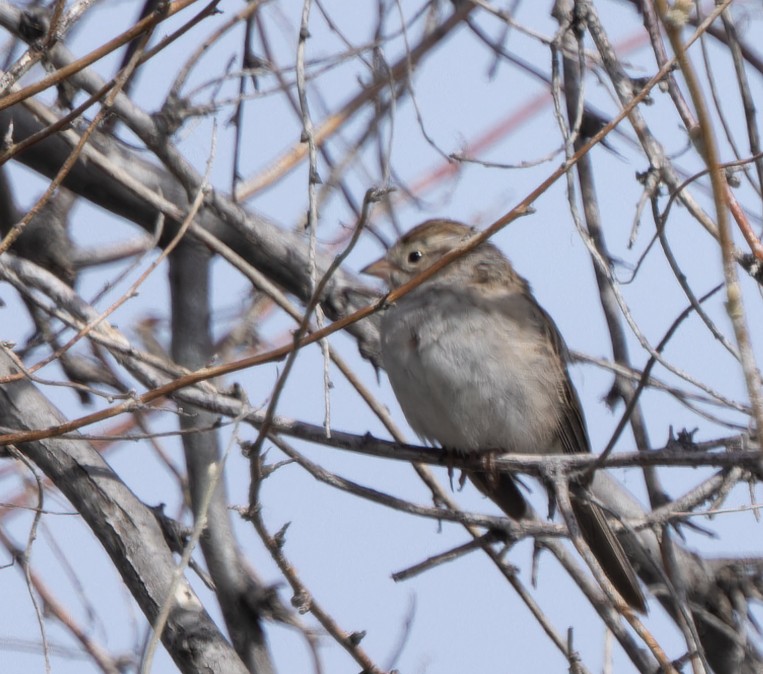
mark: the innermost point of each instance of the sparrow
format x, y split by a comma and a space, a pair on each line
477, 365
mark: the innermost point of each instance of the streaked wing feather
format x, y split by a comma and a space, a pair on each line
572, 427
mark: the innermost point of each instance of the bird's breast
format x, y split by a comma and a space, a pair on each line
471, 377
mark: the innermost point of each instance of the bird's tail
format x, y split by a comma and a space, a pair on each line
503, 491
608, 551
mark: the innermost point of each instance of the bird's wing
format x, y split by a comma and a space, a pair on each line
571, 424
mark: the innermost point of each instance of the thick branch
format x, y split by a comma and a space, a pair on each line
127, 529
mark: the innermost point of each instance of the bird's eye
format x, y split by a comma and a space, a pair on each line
414, 256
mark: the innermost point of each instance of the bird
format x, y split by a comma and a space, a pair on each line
477, 364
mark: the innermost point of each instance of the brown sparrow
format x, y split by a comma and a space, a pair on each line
477, 364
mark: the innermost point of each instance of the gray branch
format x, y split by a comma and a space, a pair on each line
125, 527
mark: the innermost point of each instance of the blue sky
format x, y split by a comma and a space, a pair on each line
460, 616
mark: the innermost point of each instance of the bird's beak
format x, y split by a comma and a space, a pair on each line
381, 269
